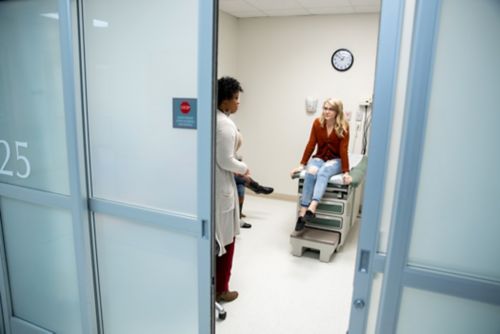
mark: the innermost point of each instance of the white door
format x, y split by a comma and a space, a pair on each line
106, 166
436, 271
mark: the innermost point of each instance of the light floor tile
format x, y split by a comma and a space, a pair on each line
281, 293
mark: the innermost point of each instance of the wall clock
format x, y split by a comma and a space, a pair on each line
342, 60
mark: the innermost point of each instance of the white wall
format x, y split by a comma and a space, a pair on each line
282, 60
227, 45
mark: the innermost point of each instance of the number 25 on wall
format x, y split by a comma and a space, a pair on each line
19, 156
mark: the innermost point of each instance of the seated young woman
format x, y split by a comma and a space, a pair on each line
330, 137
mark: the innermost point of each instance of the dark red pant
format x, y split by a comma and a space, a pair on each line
224, 264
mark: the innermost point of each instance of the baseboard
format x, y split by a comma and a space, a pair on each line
283, 197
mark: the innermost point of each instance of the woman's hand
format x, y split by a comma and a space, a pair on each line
347, 178
296, 170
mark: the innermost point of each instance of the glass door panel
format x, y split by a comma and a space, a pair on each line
32, 123
441, 273
456, 216
138, 58
153, 247
42, 271
148, 275
43, 288
433, 313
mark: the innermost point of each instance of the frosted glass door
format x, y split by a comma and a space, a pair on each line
152, 242
441, 271
41, 286
141, 55
455, 221
32, 130
456, 216
42, 266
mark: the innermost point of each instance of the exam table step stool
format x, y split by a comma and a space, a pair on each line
324, 241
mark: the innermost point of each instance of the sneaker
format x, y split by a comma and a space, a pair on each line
226, 296
299, 226
308, 217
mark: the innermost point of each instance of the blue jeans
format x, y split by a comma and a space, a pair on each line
318, 173
240, 185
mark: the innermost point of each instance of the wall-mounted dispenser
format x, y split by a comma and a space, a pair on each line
366, 102
311, 104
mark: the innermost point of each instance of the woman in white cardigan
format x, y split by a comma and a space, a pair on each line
227, 216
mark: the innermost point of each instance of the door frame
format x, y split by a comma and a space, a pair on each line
207, 86
398, 274
81, 204
202, 225
74, 203
368, 260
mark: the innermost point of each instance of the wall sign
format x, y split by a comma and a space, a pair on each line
184, 113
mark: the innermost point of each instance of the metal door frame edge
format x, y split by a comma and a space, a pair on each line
388, 51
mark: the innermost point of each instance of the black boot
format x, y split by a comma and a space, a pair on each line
258, 189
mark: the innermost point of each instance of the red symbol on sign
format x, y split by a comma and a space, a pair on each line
185, 107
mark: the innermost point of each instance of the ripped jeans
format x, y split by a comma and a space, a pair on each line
318, 173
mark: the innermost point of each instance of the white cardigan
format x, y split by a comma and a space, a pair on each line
227, 212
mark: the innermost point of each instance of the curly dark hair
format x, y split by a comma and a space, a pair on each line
226, 88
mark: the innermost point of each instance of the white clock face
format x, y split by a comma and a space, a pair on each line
342, 59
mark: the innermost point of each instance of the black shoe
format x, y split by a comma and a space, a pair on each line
258, 189
299, 226
245, 225
308, 217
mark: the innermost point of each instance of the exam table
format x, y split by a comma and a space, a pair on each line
336, 213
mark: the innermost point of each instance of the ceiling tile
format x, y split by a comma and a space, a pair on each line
274, 4
287, 12
235, 6
255, 8
324, 3
332, 10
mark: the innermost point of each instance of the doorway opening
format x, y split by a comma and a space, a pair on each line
283, 60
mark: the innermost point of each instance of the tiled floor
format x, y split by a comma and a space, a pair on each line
280, 293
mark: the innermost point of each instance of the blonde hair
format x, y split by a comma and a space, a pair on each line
340, 125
